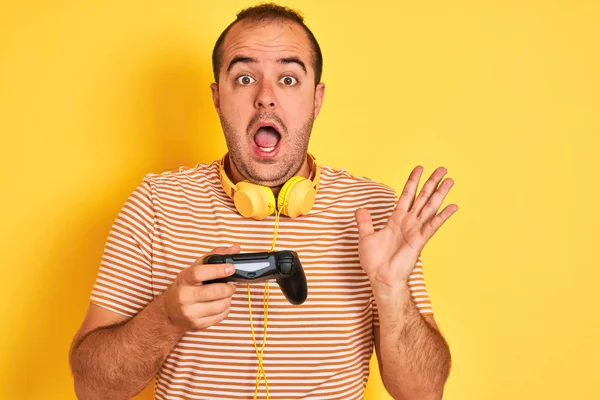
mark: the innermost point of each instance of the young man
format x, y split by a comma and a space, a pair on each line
152, 316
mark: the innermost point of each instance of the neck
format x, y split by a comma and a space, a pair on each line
235, 175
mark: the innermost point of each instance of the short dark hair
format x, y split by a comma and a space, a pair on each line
269, 12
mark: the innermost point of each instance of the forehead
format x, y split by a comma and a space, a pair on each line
266, 40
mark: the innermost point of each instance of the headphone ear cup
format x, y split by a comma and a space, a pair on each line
254, 201
296, 197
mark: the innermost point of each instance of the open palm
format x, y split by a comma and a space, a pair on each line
388, 256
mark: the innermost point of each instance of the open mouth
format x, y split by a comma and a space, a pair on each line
267, 138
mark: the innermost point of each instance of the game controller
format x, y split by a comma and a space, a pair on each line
282, 266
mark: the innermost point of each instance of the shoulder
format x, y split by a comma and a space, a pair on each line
200, 174
340, 180
342, 192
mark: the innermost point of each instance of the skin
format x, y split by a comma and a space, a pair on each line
114, 357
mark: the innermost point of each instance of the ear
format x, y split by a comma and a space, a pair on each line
319, 95
214, 88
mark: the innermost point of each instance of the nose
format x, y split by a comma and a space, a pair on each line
265, 98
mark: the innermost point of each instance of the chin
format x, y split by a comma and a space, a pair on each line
268, 175
269, 181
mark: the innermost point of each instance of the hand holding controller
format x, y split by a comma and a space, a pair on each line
282, 266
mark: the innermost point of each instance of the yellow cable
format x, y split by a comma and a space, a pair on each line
261, 368
277, 212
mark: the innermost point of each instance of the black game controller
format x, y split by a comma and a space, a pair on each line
281, 266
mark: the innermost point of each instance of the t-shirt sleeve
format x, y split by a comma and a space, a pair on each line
124, 281
416, 280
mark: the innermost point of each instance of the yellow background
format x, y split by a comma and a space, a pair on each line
506, 95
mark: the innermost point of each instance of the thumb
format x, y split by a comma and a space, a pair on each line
364, 222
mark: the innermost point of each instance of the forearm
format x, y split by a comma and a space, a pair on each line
414, 357
118, 361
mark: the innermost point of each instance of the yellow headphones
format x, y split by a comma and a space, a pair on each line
295, 198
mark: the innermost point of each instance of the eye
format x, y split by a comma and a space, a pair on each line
288, 80
245, 80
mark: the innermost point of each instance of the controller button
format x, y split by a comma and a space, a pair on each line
251, 274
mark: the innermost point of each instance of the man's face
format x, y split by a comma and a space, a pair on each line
266, 99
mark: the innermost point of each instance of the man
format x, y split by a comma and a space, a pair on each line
152, 316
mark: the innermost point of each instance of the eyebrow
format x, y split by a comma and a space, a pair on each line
293, 60
250, 60
239, 59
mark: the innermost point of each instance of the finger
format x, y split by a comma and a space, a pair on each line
197, 274
204, 293
227, 250
410, 189
436, 222
205, 322
428, 189
364, 222
434, 203
209, 308
219, 250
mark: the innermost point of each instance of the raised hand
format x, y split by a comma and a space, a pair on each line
388, 256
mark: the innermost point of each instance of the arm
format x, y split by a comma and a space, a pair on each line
114, 358
117, 361
414, 359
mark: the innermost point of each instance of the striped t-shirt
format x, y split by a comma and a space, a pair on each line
318, 350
